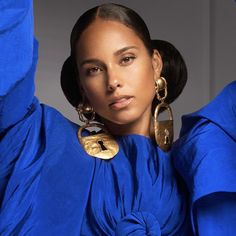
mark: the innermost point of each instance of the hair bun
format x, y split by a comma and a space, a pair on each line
68, 81
174, 68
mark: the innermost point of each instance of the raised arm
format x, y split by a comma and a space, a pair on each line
18, 56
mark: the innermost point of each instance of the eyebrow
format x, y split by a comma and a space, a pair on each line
120, 51
97, 61
91, 61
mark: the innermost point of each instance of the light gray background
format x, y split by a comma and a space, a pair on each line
203, 30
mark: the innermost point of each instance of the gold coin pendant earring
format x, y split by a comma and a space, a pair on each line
163, 129
98, 144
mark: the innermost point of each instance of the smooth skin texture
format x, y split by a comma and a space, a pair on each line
117, 75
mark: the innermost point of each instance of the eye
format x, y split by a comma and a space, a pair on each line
127, 60
93, 71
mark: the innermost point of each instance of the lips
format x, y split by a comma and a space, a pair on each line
120, 102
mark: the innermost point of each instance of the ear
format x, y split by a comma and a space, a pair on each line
157, 63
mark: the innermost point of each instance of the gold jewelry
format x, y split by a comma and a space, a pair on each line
163, 129
100, 145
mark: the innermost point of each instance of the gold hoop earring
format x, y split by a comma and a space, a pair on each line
163, 130
99, 144
83, 110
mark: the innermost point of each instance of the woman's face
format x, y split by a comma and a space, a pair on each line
117, 73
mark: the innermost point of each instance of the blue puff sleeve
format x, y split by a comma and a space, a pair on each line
18, 60
44, 173
205, 156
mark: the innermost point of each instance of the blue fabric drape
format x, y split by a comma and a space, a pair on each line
205, 156
48, 184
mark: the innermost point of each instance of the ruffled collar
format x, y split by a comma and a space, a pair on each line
221, 111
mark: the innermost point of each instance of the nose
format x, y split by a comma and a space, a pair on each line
113, 81
113, 85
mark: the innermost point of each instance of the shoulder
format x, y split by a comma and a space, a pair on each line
220, 111
205, 152
54, 117
57, 127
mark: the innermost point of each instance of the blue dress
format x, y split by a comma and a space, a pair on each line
49, 185
205, 156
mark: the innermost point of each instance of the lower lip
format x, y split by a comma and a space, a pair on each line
121, 104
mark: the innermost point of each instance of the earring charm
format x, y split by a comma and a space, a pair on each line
101, 144
163, 129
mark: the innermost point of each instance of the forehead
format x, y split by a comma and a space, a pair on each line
106, 36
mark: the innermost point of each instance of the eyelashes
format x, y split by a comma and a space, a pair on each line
127, 60
93, 71
96, 70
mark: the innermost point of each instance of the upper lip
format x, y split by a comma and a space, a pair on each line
118, 98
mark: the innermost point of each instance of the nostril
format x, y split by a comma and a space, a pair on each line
113, 86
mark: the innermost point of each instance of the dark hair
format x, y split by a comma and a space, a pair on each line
174, 68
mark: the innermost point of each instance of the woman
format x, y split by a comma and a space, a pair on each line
51, 181
55, 183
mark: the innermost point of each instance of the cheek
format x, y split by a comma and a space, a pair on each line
94, 92
147, 87
144, 79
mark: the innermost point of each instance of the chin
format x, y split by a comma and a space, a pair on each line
123, 119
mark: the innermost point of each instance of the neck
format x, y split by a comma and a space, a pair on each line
140, 126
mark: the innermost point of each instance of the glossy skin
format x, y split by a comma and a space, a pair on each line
117, 76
